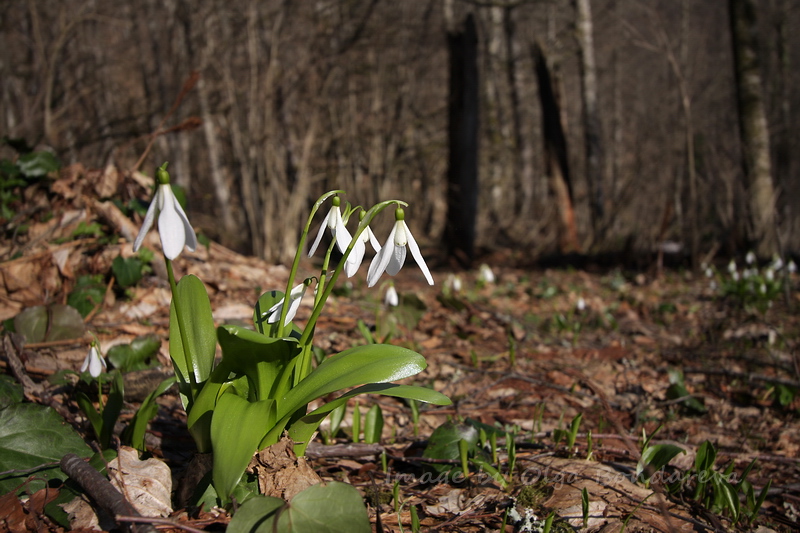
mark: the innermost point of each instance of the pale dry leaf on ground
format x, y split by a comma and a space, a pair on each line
146, 484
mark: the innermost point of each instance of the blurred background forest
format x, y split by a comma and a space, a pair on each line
294, 98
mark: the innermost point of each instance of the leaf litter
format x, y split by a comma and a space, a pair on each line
520, 355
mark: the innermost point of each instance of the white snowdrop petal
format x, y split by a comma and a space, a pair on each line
378, 265
417, 255
190, 236
170, 227
397, 260
146, 225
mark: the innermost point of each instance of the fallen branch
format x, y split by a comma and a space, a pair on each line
99, 489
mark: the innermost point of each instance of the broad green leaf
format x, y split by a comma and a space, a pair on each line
373, 425
325, 508
266, 361
87, 294
443, 444
10, 391
128, 271
38, 164
34, 437
657, 457
677, 390
237, 427
261, 311
729, 497
51, 323
302, 430
134, 356
706, 455
375, 363
196, 326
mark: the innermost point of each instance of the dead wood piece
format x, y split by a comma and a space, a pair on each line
101, 491
316, 450
12, 346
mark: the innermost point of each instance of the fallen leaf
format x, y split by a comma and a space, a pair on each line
146, 484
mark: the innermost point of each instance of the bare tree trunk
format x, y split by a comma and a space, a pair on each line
592, 129
555, 150
462, 174
753, 128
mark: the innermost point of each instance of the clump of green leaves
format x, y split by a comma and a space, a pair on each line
27, 169
754, 286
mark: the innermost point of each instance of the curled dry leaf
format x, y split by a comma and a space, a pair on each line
280, 472
146, 484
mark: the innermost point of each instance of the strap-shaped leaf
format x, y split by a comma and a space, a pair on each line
195, 325
237, 427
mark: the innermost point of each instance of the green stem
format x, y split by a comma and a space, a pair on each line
184, 340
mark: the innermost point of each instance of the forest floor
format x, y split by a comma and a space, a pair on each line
521, 357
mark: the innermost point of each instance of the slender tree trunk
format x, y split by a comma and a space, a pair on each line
462, 173
555, 153
592, 129
753, 128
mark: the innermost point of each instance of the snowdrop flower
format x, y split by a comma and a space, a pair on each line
709, 272
732, 267
173, 224
750, 258
792, 267
333, 221
485, 274
777, 262
393, 254
357, 253
453, 283
94, 362
580, 305
391, 299
295, 296
769, 274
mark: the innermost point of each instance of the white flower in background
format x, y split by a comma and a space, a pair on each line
735, 275
777, 262
750, 258
295, 296
732, 267
709, 272
94, 362
333, 221
580, 305
173, 224
357, 253
393, 254
769, 274
791, 267
391, 299
453, 283
485, 274
763, 288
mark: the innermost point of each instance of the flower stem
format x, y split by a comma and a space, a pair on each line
184, 340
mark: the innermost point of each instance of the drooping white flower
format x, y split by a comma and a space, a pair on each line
295, 297
485, 274
453, 282
391, 299
750, 258
333, 221
357, 253
393, 254
732, 267
580, 305
173, 224
792, 267
94, 362
777, 262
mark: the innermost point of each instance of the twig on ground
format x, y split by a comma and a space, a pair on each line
101, 491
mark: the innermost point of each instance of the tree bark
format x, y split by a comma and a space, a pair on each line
555, 153
592, 129
462, 173
753, 128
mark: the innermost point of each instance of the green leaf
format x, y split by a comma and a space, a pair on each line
325, 508
373, 425
88, 293
134, 356
51, 323
378, 363
127, 271
34, 437
443, 444
10, 391
656, 457
237, 427
677, 390
302, 430
38, 164
196, 325
134, 433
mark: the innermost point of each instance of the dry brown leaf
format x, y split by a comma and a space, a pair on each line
146, 484
280, 472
